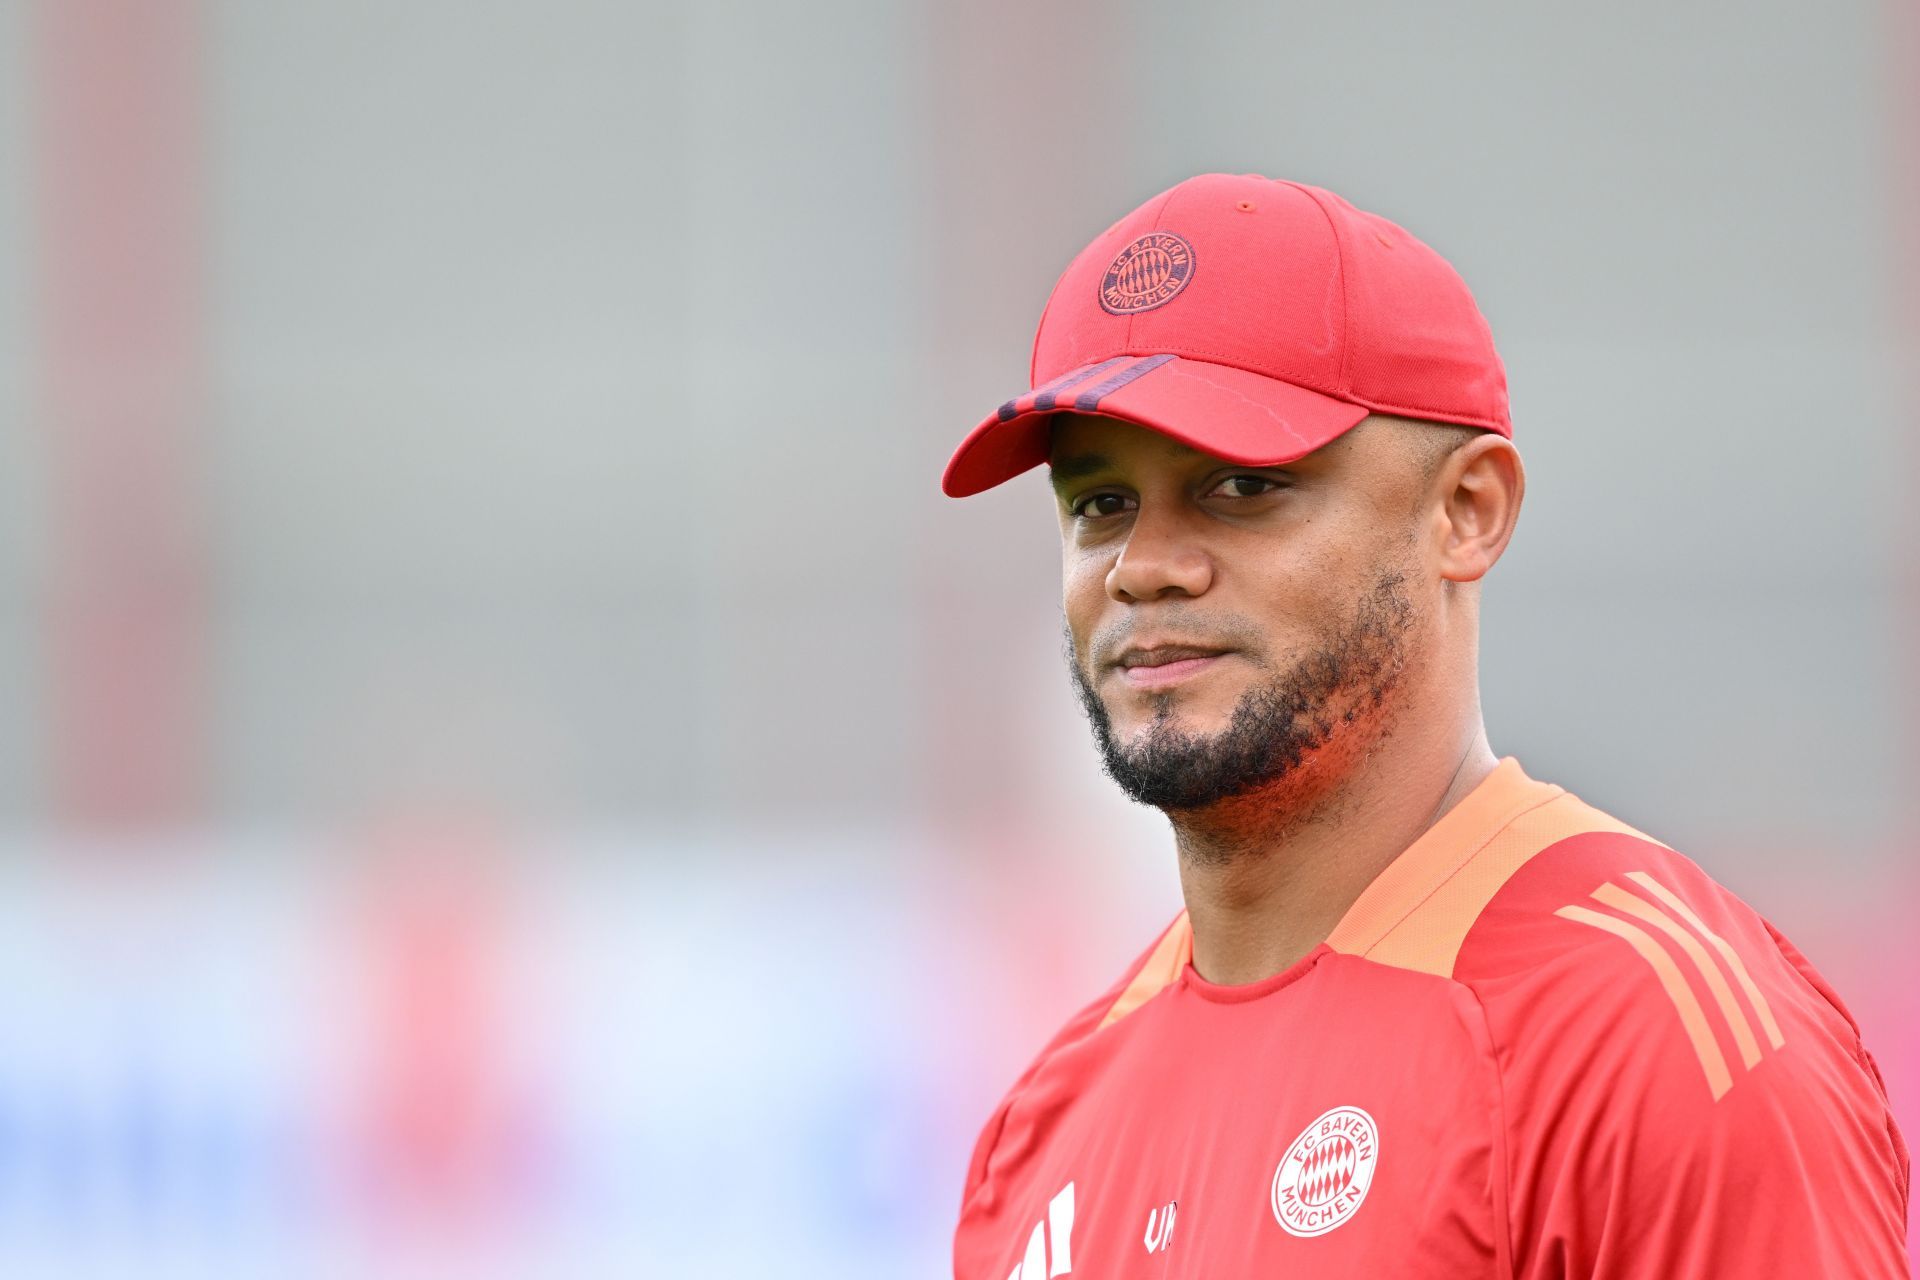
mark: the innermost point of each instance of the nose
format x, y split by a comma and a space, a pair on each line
1160, 558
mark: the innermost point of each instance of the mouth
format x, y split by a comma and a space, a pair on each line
1161, 666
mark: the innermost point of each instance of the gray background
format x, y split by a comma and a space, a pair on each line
577, 380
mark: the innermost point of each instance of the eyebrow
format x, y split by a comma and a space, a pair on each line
1075, 466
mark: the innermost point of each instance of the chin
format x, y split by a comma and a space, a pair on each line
1140, 713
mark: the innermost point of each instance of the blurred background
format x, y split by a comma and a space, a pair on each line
510, 767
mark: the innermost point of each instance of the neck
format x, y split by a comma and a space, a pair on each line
1267, 876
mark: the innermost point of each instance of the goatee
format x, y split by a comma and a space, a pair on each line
1276, 725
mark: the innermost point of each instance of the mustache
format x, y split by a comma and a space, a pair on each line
1180, 624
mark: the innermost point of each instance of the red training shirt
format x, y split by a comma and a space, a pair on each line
1540, 1044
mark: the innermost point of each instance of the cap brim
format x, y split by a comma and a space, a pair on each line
1218, 409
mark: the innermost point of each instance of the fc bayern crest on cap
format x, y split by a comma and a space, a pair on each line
1326, 1172
1148, 273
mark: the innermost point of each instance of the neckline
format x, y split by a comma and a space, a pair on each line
1239, 993
1487, 809
1462, 831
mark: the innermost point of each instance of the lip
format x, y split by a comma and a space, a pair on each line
1168, 673
1158, 666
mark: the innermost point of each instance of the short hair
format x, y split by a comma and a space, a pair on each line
1432, 443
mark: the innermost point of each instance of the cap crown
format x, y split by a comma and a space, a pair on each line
1287, 281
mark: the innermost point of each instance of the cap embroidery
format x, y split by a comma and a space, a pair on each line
1149, 272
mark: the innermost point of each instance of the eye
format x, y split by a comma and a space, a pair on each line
1246, 486
1096, 506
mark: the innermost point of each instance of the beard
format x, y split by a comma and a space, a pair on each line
1338, 690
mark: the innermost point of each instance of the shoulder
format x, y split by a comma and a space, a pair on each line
1623, 948
1593, 947
1668, 1061
1683, 1090
1150, 972
1559, 916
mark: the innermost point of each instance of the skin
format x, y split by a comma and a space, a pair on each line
1163, 544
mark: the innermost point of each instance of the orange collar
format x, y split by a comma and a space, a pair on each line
1417, 911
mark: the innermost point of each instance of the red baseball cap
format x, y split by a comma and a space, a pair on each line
1251, 318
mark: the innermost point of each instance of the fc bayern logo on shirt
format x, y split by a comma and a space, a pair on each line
1326, 1172
1147, 273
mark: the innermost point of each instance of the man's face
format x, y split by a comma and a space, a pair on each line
1230, 624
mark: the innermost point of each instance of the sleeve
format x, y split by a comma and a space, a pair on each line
1083, 1023
1686, 1099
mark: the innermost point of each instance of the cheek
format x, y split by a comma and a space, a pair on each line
1083, 596
1297, 591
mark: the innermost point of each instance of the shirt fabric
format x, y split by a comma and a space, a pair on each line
1540, 1044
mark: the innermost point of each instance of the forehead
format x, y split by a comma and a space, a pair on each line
1079, 443
1070, 434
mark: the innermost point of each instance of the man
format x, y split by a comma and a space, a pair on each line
1423, 1016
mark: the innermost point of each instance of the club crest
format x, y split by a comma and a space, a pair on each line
1326, 1172
1148, 273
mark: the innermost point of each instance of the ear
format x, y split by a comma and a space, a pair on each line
1478, 491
